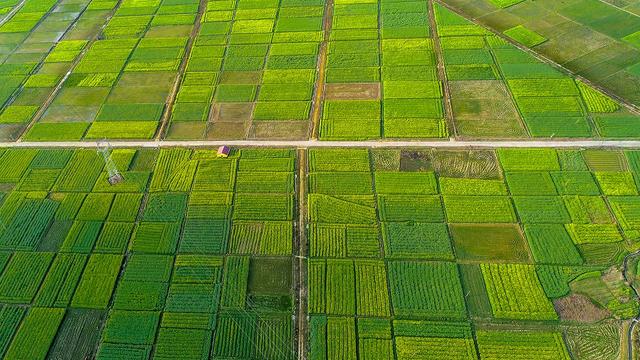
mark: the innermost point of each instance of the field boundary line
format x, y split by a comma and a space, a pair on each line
304, 144
171, 99
301, 252
13, 11
619, 8
323, 54
442, 72
318, 99
635, 109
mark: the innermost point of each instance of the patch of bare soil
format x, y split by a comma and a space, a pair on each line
281, 130
226, 130
232, 112
415, 161
576, 307
358, 91
240, 77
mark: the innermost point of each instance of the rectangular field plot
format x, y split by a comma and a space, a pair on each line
437, 283
515, 293
545, 345
489, 242
185, 254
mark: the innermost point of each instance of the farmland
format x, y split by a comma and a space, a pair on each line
344, 70
598, 40
191, 256
169, 263
475, 257
302, 241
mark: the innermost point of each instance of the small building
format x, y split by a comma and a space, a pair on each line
223, 151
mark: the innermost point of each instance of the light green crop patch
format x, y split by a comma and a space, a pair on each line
515, 292
596, 101
594, 233
56, 131
16, 114
42, 81
415, 128
525, 36
122, 130
505, 3
633, 39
